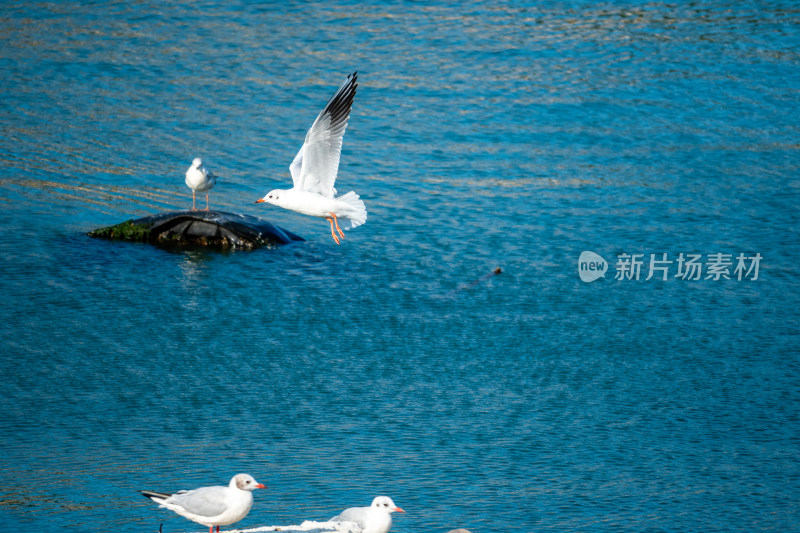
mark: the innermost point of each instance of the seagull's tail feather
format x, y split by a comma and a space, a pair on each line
357, 212
157, 497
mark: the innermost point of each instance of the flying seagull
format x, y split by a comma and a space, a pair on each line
315, 167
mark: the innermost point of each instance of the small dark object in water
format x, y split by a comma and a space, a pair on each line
211, 229
494, 272
483, 278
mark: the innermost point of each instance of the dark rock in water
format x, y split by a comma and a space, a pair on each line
213, 229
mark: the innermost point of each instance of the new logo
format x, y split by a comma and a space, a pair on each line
591, 266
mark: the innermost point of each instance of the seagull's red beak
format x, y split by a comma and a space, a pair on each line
398, 510
258, 201
261, 486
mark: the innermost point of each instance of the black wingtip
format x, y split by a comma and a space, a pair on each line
149, 494
338, 107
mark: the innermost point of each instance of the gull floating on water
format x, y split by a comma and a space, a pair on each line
376, 518
199, 180
315, 167
211, 506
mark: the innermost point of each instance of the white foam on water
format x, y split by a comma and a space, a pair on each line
308, 525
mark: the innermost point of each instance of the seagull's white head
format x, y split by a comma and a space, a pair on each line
197, 162
245, 482
385, 503
272, 197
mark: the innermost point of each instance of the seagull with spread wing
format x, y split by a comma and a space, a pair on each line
316, 165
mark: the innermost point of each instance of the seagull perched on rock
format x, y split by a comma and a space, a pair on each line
316, 165
199, 180
211, 506
376, 518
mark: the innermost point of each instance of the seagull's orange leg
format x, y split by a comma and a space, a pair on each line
206, 201
336, 221
193, 200
335, 238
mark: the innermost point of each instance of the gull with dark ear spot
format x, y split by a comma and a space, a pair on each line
316, 166
211, 506
376, 518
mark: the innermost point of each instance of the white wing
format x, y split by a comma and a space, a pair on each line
353, 514
205, 501
315, 166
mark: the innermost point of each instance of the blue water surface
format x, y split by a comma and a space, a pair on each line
483, 135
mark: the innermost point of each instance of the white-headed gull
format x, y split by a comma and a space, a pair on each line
376, 518
199, 180
211, 506
315, 167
